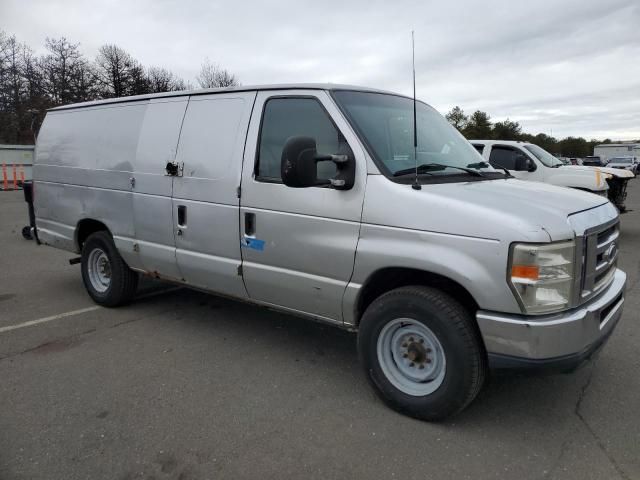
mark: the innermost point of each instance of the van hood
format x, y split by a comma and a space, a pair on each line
509, 209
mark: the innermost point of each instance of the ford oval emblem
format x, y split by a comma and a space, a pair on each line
610, 252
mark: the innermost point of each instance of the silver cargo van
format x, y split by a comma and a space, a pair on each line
306, 198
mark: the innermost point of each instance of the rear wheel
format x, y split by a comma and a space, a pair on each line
108, 279
422, 352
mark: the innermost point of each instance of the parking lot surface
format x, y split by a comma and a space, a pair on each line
185, 385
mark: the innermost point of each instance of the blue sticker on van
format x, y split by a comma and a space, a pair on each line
253, 243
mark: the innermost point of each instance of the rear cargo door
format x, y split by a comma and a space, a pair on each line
205, 192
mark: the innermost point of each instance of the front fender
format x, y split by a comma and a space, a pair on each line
594, 181
477, 264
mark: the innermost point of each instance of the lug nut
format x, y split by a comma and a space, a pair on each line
404, 355
412, 364
421, 367
411, 339
428, 350
404, 345
428, 360
422, 340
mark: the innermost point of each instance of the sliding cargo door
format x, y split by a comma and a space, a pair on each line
205, 193
152, 187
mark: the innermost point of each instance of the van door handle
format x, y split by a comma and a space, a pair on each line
249, 224
182, 216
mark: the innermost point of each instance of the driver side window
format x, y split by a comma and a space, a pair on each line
504, 157
284, 118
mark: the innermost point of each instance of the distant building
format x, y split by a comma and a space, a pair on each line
608, 150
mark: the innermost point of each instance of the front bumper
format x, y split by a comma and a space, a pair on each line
560, 341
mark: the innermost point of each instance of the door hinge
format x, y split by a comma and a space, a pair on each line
239, 191
240, 270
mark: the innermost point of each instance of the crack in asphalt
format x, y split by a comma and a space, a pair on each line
592, 432
563, 450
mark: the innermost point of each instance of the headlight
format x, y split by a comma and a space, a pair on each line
542, 275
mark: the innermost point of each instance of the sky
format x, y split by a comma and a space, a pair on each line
562, 67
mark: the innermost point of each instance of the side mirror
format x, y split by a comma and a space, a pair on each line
524, 164
299, 165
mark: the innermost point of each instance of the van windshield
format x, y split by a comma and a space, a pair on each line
385, 123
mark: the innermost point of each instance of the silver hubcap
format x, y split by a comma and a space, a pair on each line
99, 269
411, 357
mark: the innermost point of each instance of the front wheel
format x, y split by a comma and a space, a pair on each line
422, 352
108, 279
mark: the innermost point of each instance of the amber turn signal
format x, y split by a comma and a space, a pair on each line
531, 272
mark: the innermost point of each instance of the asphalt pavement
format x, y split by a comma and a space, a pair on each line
185, 385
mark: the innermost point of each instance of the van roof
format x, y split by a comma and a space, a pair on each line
242, 88
627, 144
501, 142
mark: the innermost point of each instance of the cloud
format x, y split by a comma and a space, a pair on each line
564, 66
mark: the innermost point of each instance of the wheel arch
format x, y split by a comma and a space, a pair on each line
389, 278
86, 227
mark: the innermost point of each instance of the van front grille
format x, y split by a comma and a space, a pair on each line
600, 257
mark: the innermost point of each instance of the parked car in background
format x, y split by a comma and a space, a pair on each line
625, 163
594, 161
528, 161
311, 199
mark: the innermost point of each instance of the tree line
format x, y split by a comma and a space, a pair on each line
479, 126
30, 84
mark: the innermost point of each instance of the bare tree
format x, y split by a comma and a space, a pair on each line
163, 80
14, 95
37, 101
29, 85
66, 72
213, 76
117, 72
84, 83
139, 80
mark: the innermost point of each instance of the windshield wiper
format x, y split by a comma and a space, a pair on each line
507, 173
478, 165
427, 167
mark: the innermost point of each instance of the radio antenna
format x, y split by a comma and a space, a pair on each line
416, 185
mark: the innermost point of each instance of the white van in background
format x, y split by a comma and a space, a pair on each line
528, 161
624, 163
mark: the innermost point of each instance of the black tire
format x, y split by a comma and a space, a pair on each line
459, 337
123, 281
